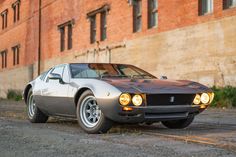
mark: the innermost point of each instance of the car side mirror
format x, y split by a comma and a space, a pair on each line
54, 76
163, 78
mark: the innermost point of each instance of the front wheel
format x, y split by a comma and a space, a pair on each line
178, 124
90, 116
34, 114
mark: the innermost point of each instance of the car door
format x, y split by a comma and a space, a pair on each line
54, 93
68, 107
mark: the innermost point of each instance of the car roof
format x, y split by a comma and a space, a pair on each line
102, 63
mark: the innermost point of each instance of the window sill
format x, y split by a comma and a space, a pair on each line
153, 27
206, 14
229, 8
104, 40
138, 31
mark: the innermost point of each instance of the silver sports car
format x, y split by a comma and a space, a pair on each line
100, 94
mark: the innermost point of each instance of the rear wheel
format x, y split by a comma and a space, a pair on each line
178, 124
90, 116
34, 114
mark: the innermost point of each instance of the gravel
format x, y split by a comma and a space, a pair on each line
19, 137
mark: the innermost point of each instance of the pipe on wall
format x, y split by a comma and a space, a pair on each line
39, 38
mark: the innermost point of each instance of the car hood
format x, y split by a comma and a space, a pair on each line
157, 86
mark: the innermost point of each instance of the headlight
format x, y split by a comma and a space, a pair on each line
212, 96
137, 100
205, 98
125, 99
197, 99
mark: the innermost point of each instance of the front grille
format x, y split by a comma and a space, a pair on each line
169, 99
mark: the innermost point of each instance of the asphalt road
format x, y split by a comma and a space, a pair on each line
213, 133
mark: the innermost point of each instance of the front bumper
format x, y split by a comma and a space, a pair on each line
113, 111
158, 113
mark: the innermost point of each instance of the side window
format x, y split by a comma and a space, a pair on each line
58, 70
43, 75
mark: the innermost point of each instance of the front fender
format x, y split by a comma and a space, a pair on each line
100, 89
26, 91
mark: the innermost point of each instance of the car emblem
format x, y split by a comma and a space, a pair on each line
172, 99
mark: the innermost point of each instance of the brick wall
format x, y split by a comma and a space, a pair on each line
172, 15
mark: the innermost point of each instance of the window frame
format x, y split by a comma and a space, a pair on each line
228, 4
205, 9
16, 55
152, 13
137, 16
62, 39
62, 28
93, 29
93, 22
4, 59
69, 36
103, 26
16, 11
4, 15
138, 70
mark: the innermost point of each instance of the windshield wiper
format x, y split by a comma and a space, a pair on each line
140, 75
107, 75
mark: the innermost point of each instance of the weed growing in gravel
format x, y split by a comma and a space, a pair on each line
14, 95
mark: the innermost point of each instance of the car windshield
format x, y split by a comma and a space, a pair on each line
108, 70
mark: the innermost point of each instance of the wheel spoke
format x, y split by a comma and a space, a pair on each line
90, 117
90, 104
94, 119
89, 111
94, 103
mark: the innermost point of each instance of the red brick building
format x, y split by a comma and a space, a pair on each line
183, 39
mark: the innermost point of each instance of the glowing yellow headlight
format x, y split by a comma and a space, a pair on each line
137, 100
205, 98
197, 99
212, 97
125, 99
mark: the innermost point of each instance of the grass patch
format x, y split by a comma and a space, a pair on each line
14, 95
224, 97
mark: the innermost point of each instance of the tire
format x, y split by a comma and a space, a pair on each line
90, 117
33, 112
178, 124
